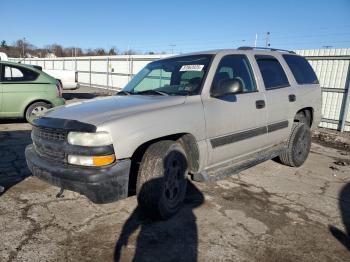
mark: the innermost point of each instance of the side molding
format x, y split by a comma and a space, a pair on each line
232, 138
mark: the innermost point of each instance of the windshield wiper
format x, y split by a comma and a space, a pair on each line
154, 92
123, 93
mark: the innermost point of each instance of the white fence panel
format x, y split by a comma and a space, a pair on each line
114, 72
332, 67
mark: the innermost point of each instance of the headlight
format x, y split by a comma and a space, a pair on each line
91, 160
89, 139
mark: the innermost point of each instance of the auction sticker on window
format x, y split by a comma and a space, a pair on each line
192, 68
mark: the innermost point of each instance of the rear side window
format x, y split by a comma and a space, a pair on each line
272, 72
17, 74
301, 69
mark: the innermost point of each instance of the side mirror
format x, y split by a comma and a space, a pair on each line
228, 87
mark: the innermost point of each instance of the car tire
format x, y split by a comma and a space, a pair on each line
304, 117
298, 145
162, 180
60, 83
35, 108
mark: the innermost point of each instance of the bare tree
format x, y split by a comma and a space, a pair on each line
56, 49
90, 52
129, 52
113, 51
100, 51
22, 48
4, 44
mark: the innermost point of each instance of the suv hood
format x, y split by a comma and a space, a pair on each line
99, 110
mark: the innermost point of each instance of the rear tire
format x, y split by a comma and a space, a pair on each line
304, 117
60, 83
35, 109
162, 179
298, 145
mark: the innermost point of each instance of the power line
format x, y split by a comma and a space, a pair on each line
228, 44
172, 48
229, 40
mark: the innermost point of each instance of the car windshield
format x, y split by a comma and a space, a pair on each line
173, 76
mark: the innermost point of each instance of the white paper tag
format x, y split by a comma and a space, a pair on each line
191, 68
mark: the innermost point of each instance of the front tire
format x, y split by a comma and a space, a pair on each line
298, 145
162, 179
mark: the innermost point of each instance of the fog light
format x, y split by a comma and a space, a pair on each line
91, 160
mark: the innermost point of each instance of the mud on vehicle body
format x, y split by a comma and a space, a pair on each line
203, 116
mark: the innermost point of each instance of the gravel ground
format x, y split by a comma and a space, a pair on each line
267, 213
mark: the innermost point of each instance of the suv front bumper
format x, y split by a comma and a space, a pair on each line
100, 185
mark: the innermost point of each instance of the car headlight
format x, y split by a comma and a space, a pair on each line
89, 139
91, 160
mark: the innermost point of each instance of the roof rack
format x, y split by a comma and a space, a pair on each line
264, 48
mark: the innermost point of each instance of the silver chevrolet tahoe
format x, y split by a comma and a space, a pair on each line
203, 116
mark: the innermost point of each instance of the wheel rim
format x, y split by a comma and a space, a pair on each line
174, 177
38, 110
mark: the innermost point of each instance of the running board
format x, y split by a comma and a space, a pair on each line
238, 165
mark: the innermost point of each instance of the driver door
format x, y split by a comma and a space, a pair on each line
236, 124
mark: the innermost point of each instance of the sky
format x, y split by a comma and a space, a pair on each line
177, 26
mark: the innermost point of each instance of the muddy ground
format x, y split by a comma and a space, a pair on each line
267, 213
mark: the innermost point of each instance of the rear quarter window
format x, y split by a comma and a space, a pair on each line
301, 69
17, 74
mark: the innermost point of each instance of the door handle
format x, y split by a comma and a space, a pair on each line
259, 104
292, 98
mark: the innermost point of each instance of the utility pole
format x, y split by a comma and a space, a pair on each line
172, 48
129, 63
267, 39
23, 51
256, 40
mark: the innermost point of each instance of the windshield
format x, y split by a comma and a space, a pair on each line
173, 76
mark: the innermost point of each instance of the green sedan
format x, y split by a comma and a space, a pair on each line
26, 91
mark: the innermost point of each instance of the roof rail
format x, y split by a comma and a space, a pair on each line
264, 48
